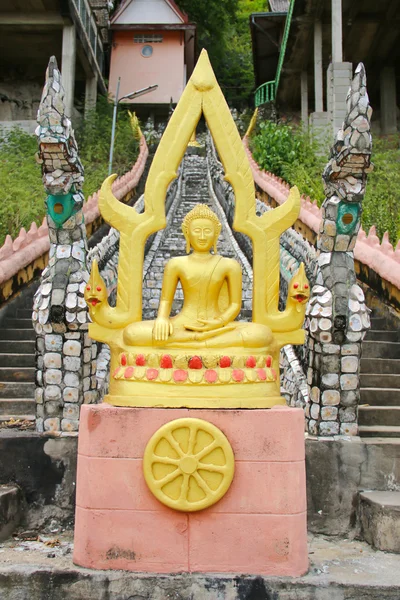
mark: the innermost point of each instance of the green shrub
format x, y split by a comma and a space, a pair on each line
276, 145
381, 204
288, 153
308, 178
21, 185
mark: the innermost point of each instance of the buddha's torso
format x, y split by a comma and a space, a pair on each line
202, 280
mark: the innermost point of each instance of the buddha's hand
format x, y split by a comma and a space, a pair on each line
162, 329
205, 325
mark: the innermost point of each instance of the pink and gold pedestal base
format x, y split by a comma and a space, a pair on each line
258, 527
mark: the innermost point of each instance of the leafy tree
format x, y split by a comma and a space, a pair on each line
238, 71
213, 19
223, 29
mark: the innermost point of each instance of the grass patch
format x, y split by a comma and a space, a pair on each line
287, 152
382, 198
20, 182
23, 195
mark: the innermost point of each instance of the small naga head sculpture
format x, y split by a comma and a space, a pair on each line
96, 290
201, 228
299, 288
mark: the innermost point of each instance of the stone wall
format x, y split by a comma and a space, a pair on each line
338, 468
19, 100
44, 467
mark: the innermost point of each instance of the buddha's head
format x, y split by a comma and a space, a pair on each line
201, 228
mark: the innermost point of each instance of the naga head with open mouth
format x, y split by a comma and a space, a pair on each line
96, 289
299, 287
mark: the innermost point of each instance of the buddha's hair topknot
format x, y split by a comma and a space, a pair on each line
201, 211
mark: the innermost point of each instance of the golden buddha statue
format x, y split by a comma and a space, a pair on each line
201, 357
212, 288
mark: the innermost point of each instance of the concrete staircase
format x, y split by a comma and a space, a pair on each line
379, 411
17, 361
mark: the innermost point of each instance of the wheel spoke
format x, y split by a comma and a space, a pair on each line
206, 489
185, 487
212, 468
214, 444
168, 478
170, 438
165, 460
192, 440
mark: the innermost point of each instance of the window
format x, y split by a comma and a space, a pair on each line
147, 38
147, 51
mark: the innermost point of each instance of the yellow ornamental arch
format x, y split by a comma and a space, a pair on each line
143, 373
201, 95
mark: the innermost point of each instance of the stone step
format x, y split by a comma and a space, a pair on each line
17, 334
24, 313
17, 360
375, 396
380, 381
17, 346
5, 418
17, 374
17, 407
10, 510
382, 335
380, 431
18, 324
388, 416
16, 389
378, 323
383, 441
381, 366
379, 518
375, 349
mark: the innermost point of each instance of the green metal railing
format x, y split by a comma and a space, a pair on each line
266, 92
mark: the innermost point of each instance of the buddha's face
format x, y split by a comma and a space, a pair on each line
201, 235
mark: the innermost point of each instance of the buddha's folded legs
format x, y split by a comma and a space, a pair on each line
139, 334
244, 335
234, 335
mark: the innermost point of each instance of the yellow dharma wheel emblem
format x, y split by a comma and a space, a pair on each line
188, 464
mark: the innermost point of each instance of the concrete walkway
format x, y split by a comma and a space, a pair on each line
339, 570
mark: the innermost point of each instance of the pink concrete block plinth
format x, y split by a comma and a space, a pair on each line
258, 527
